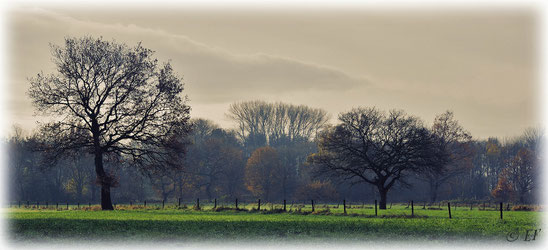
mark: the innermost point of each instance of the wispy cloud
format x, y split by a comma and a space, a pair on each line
212, 74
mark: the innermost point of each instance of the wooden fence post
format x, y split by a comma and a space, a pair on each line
449, 208
236, 203
198, 203
259, 205
284, 206
163, 203
375, 207
179, 202
312, 205
215, 203
471, 206
344, 206
412, 209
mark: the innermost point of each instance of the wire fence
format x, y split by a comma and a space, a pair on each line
409, 209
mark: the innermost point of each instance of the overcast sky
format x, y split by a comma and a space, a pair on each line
482, 65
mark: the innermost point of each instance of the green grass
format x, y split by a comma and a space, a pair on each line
186, 224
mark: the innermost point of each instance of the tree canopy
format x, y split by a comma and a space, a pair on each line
375, 147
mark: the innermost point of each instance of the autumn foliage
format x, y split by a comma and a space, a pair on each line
504, 191
263, 173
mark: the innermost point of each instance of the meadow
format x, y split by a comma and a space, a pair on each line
327, 222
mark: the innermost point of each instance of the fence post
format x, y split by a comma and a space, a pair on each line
449, 208
57, 205
236, 203
163, 203
78, 205
284, 206
412, 209
344, 206
375, 207
179, 202
312, 205
501, 210
471, 206
215, 205
145, 203
259, 205
198, 203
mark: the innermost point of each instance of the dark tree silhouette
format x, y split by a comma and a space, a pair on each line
111, 99
377, 148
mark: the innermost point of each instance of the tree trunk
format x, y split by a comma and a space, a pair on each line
433, 191
104, 180
382, 192
208, 191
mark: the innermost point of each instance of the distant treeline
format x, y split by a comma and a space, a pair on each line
268, 156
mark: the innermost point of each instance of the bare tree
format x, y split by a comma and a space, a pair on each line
455, 141
108, 98
377, 148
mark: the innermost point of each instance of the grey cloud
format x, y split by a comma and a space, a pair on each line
212, 75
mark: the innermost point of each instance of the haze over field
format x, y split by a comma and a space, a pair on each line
481, 65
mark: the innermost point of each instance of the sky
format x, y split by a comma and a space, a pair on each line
480, 64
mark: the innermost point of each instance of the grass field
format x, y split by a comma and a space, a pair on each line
28, 225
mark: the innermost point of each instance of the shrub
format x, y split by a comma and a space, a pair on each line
525, 208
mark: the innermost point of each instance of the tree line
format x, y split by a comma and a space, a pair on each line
329, 164
120, 127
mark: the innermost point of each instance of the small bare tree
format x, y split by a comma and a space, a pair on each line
455, 141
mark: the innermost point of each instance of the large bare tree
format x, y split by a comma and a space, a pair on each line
375, 147
111, 99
